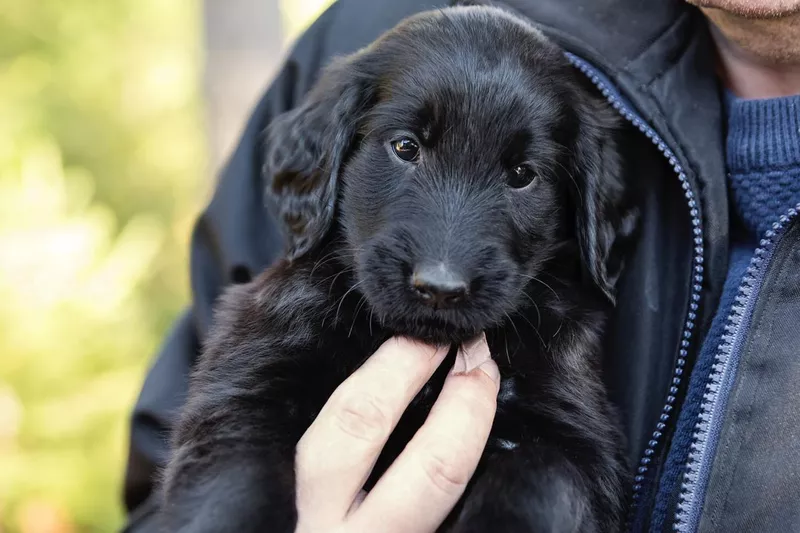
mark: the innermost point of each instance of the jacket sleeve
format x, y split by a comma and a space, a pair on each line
232, 239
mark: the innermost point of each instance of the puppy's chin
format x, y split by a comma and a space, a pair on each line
406, 317
431, 331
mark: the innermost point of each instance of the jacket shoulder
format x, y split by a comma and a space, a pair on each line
352, 24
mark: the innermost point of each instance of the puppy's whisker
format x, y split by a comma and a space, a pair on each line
332, 255
341, 301
535, 306
572, 157
508, 355
360, 304
322, 284
335, 277
558, 330
330, 288
371, 314
322, 261
511, 321
535, 329
534, 278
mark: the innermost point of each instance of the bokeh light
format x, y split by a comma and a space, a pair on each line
102, 171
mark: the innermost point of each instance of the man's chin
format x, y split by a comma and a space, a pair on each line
752, 9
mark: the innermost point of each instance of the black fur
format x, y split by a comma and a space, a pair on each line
481, 92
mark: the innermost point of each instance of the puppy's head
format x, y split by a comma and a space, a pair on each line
456, 157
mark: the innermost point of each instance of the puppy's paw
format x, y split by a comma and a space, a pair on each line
521, 503
480, 515
499, 524
519, 519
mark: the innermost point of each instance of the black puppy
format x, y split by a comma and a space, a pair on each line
457, 176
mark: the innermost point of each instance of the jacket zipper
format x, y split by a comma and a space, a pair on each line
720, 382
626, 110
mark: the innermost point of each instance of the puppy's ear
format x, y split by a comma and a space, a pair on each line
306, 148
607, 216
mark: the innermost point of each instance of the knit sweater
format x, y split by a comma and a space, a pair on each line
763, 163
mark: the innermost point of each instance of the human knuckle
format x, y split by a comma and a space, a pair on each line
445, 471
362, 416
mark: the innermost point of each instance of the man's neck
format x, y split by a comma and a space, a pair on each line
758, 58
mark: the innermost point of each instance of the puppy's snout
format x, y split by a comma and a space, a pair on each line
438, 285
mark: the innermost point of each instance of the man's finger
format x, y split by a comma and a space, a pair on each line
426, 481
339, 450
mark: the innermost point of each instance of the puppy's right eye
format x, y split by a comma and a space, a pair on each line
406, 149
521, 176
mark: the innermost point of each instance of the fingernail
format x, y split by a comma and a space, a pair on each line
476, 353
471, 356
490, 369
460, 365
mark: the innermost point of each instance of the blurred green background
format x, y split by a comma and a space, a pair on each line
103, 166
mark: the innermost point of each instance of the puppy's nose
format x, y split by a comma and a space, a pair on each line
438, 286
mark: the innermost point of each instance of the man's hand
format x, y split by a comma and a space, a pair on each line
339, 450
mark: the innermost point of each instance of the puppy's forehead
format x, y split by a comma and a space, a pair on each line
493, 103
472, 66
477, 37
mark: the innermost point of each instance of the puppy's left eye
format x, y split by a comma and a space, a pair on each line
521, 176
406, 149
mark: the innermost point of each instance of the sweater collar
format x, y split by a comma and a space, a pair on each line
763, 135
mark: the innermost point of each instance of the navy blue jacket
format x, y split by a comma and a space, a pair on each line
654, 61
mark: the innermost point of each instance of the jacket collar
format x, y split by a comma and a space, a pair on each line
660, 56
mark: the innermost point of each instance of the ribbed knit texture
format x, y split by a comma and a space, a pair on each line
763, 158
763, 162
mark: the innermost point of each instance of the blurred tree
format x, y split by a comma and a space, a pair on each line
103, 167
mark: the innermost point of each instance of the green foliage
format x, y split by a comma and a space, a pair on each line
102, 170
102, 167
